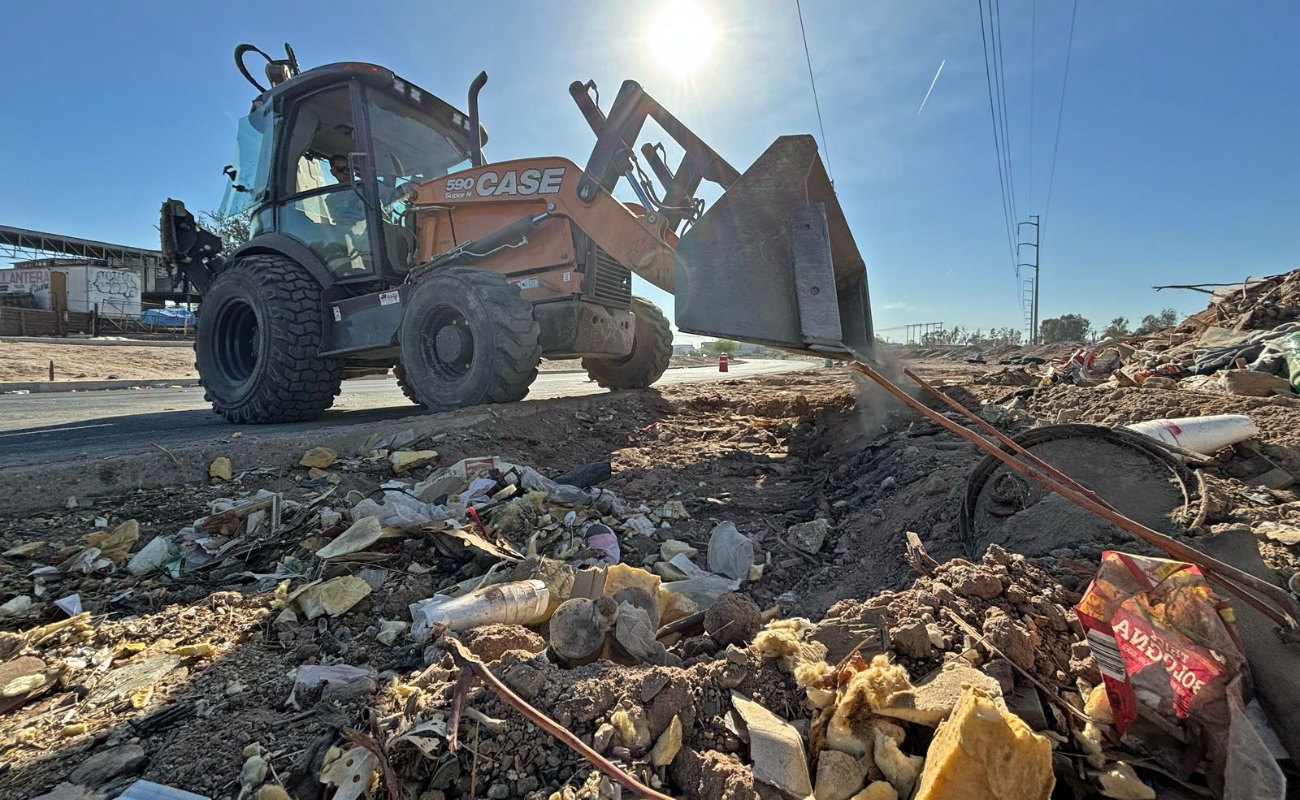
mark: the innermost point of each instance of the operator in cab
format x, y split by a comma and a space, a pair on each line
346, 208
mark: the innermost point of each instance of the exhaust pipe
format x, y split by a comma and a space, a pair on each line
476, 132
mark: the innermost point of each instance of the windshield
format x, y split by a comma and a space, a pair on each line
252, 164
409, 144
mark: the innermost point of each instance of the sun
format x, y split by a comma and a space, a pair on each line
682, 37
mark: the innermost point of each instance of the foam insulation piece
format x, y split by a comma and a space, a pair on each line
866, 691
1122, 783
900, 769
982, 752
787, 641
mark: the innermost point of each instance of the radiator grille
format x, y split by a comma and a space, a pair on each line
612, 281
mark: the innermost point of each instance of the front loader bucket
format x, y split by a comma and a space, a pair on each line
773, 261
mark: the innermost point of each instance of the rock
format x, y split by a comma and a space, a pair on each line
1000, 670
579, 626
253, 772
667, 571
639, 525
977, 583
983, 753
601, 739
17, 606
733, 619
219, 469
286, 620
672, 547
669, 744
1159, 382
524, 680
490, 642
809, 536
498, 791
406, 460
936, 484
102, 767
319, 457
839, 776
930, 702
333, 597
1122, 783
1025, 703
1252, 383
910, 638
1010, 638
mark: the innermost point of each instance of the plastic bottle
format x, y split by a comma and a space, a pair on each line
1204, 435
514, 603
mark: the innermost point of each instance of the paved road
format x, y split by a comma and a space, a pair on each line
41, 428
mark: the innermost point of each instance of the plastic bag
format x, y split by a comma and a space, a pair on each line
1290, 345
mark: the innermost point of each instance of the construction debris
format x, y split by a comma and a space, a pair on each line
738, 591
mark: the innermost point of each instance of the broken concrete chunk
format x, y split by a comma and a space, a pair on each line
809, 536
219, 469
775, 748
669, 744
839, 776
984, 753
406, 460
1122, 783
16, 607
1253, 383
930, 702
673, 547
333, 597
319, 457
105, 765
363, 533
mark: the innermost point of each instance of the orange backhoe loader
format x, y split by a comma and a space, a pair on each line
380, 237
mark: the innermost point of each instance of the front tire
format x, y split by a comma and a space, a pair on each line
258, 343
467, 338
652, 349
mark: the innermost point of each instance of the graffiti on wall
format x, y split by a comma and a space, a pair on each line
115, 283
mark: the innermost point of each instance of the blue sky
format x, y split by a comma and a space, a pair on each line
1177, 162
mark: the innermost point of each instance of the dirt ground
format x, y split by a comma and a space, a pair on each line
30, 361
764, 454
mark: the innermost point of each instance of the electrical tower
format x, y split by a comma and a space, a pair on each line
1033, 299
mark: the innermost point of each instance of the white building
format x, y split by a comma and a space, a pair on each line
83, 288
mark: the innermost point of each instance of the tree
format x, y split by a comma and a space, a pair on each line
232, 229
724, 346
1118, 328
1152, 323
1066, 328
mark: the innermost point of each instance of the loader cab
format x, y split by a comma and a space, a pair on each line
326, 164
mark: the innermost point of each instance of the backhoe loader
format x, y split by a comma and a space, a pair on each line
381, 238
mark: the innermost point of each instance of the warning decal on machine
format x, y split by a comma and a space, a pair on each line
388, 298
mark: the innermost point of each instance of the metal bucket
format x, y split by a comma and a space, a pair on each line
773, 261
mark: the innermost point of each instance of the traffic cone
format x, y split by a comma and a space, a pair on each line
722, 362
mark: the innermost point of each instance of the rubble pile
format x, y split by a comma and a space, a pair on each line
740, 591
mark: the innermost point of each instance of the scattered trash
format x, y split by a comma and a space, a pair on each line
1204, 435
521, 602
775, 748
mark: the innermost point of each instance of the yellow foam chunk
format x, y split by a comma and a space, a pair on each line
984, 753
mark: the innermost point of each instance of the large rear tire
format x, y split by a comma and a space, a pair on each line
258, 343
467, 338
652, 349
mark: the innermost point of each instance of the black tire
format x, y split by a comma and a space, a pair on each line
258, 343
652, 349
404, 385
467, 338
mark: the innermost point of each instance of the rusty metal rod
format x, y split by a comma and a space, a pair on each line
1007, 440
467, 662
1285, 617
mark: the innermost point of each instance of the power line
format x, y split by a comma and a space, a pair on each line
1065, 79
997, 146
816, 103
1000, 72
1033, 38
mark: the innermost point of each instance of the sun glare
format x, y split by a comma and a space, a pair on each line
682, 37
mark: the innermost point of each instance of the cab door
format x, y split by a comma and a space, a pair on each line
327, 196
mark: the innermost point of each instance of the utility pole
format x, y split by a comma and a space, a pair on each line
1033, 313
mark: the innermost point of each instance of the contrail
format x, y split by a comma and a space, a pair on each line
931, 89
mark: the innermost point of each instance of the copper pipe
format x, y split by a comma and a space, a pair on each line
1007, 440
1286, 617
468, 664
